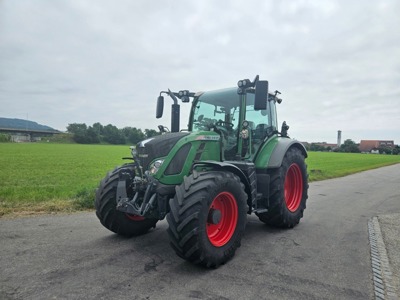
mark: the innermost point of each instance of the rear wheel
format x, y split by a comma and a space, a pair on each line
288, 191
208, 217
106, 202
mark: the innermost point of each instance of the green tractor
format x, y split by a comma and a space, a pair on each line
230, 162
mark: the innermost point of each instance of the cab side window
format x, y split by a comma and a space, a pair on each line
259, 126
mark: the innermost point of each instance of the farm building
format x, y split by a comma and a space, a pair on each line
373, 145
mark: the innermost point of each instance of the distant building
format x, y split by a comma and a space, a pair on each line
320, 146
326, 145
373, 145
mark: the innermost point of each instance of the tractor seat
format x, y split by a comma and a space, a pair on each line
260, 132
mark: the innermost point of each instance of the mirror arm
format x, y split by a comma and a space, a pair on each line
172, 95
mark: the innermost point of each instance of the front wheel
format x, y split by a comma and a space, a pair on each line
288, 191
208, 217
106, 202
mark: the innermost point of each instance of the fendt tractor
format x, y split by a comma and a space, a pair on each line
231, 161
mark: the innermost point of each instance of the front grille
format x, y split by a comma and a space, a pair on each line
177, 163
144, 158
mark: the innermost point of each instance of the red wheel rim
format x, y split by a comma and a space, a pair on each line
134, 217
220, 234
293, 187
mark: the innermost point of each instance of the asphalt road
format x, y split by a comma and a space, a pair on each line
327, 256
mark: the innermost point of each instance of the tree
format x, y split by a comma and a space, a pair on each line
113, 135
151, 132
76, 128
316, 147
92, 136
79, 132
83, 134
97, 133
98, 128
385, 150
349, 146
396, 150
133, 135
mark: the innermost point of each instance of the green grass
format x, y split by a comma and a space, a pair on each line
326, 165
46, 177
52, 177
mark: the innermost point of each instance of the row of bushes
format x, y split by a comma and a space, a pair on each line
349, 146
110, 134
5, 138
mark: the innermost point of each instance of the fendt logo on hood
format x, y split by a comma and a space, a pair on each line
207, 138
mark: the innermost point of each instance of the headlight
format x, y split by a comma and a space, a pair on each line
133, 151
155, 166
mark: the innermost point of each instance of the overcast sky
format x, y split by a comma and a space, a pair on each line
337, 63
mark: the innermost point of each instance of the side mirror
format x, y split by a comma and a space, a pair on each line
160, 107
261, 95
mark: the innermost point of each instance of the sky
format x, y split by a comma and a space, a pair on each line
336, 63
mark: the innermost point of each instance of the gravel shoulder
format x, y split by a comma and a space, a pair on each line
390, 228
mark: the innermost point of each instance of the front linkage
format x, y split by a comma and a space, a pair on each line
146, 201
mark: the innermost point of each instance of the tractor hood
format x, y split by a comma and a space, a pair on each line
158, 146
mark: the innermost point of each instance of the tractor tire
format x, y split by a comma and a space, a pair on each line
207, 218
105, 203
288, 191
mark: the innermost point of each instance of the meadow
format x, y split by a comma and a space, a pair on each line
46, 177
37, 177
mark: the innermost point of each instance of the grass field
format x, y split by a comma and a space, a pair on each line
53, 177
63, 177
326, 165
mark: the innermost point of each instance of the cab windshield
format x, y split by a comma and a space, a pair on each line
221, 108
220, 111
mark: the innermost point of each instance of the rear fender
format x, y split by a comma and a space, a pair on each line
272, 153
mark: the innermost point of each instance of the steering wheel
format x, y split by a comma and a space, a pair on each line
201, 124
222, 123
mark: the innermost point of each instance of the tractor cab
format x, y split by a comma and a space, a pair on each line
243, 117
242, 127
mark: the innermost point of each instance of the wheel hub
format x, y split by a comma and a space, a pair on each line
214, 216
293, 187
222, 219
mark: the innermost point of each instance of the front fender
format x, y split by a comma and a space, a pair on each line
226, 166
219, 165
